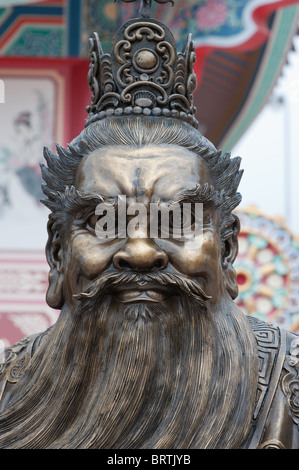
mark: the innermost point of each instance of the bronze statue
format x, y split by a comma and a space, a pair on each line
150, 350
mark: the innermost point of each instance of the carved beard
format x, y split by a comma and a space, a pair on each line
113, 376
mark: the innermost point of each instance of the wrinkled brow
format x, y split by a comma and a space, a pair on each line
77, 201
74, 204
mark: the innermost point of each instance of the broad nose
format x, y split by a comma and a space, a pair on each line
140, 254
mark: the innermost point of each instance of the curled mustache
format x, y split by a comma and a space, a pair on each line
110, 281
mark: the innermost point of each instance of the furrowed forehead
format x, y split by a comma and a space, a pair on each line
164, 170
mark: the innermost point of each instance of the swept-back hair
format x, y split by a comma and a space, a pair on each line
59, 175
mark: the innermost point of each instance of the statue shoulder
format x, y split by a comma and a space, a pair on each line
276, 417
15, 359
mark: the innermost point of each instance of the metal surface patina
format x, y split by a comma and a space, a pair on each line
149, 350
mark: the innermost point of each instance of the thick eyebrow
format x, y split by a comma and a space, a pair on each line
202, 194
77, 201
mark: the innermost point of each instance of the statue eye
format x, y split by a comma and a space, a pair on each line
91, 221
206, 220
102, 224
187, 219
181, 219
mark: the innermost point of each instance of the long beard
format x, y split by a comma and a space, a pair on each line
138, 376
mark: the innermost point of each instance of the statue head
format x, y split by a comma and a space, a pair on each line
141, 142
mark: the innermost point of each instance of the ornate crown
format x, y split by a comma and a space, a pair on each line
144, 74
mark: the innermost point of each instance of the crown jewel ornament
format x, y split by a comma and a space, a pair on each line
144, 74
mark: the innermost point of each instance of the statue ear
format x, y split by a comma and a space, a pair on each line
54, 254
230, 254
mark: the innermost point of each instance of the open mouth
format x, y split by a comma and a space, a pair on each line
141, 292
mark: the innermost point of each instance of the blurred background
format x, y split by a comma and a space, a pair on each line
247, 102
